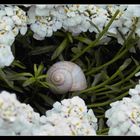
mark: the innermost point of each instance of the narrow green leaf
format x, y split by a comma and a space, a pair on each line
125, 64
17, 63
70, 37
39, 70
40, 108
60, 49
88, 61
115, 89
83, 39
42, 76
16, 78
44, 84
96, 41
61, 58
19, 76
23, 74
104, 75
121, 75
18, 89
98, 57
97, 79
135, 61
42, 50
3, 76
29, 82
76, 50
47, 85
35, 70
47, 99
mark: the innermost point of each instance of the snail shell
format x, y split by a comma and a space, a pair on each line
66, 76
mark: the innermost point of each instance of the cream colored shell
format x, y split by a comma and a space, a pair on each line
66, 76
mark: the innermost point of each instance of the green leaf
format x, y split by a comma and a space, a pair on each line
115, 89
97, 79
29, 82
18, 89
40, 69
104, 75
135, 61
125, 64
83, 39
23, 74
61, 58
44, 84
17, 63
98, 57
76, 50
42, 50
40, 108
35, 70
60, 49
47, 99
70, 37
19, 76
3, 76
47, 85
88, 62
121, 75
42, 76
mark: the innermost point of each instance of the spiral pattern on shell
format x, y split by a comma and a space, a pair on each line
66, 76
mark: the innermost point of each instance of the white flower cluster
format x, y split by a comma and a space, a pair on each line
70, 117
46, 19
6, 56
124, 116
43, 22
12, 20
135, 94
15, 118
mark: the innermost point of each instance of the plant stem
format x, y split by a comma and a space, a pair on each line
108, 102
108, 80
102, 84
129, 36
105, 92
118, 55
126, 73
94, 43
106, 64
128, 77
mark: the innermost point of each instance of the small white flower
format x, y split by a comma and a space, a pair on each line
123, 117
23, 30
9, 11
76, 118
20, 119
7, 38
6, 56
